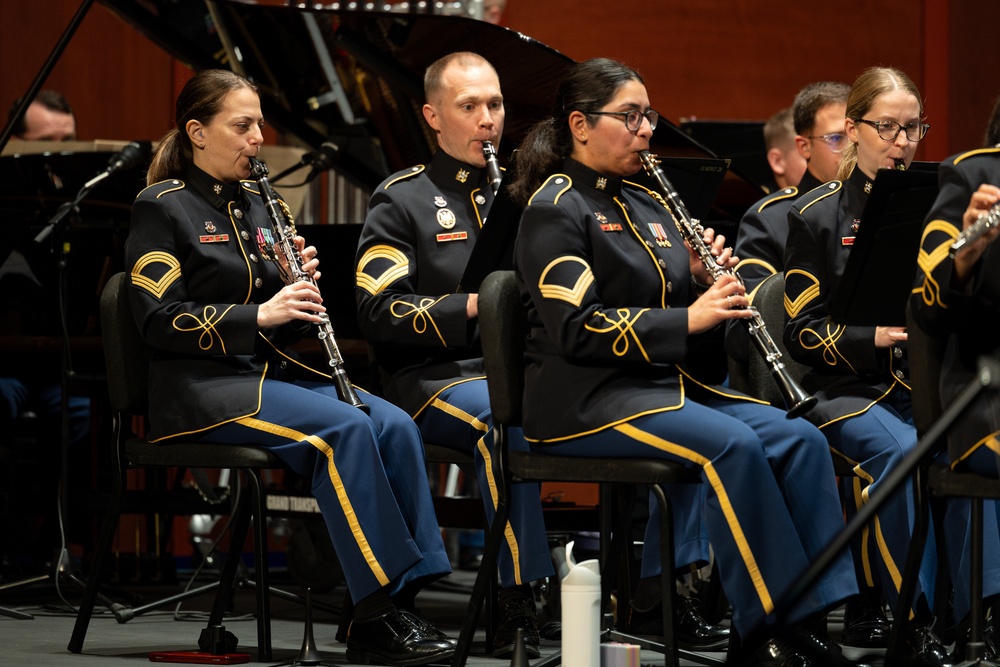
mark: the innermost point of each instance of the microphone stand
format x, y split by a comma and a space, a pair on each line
59, 223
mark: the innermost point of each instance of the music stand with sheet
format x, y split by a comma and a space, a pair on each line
880, 270
696, 179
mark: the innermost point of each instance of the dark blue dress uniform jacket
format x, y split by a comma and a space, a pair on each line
969, 317
760, 247
849, 374
598, 241
199, 263
421, 226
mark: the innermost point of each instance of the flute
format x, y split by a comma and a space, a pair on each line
285, 244
984, 223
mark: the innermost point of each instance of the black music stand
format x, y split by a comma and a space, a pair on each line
881, 267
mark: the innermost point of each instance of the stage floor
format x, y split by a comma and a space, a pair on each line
41, 642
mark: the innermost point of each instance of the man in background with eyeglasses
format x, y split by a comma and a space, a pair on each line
818, 116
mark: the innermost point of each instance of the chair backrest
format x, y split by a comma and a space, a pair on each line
503, 325
126, 354
769, 300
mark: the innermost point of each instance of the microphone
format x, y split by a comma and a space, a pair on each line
131, 156
321, 159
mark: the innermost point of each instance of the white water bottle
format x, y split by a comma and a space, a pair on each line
581, 614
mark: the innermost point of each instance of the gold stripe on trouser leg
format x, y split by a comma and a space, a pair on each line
720, 491
866, 563
883, 548
338, 486
484, 451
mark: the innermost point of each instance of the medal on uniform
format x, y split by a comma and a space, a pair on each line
446, 218
462, 176
659, 234
439, 201
264, 242
209, 226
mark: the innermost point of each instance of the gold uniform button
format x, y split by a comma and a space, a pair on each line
245, 235
897, 352
662, 263
900, 374
258, 283
253, 258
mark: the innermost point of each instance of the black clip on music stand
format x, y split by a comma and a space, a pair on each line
873, 291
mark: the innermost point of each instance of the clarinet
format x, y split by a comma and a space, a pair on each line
984, 223
797, 400
285, 244
493, 173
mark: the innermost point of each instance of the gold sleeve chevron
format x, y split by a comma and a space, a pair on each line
569, 283
381, 266
805, 297
155, 272
930, 291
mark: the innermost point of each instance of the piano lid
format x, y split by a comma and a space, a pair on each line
353, 75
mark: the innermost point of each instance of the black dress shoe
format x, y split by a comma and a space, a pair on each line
517, 613
803, 649
424, 624
922, 647
394, 639
865, 624
691, 630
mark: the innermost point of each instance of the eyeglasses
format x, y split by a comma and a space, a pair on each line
633, 118
888, 130
837, 141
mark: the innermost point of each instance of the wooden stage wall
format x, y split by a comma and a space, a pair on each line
711, 59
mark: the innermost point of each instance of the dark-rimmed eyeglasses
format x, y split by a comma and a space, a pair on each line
888, 130
837, 141
633, 118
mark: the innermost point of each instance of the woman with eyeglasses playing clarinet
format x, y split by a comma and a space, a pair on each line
957, 297
624, 333
859, 373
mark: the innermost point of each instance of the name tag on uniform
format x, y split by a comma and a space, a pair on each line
214, 238
452, 236
847, 240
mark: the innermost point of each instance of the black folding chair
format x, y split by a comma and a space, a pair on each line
127, 360
503, 327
